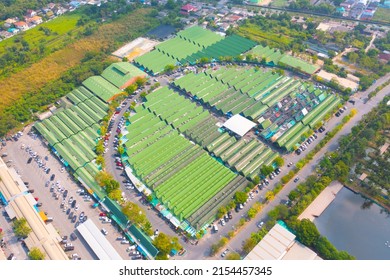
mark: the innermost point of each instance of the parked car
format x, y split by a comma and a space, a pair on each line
224, 253
296, 179
104, 231
73, 236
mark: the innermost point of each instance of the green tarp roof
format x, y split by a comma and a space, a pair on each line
101, 87
120, 73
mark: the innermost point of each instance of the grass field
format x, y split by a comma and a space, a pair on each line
382, 14
50, 68
279, 3
255, 33
59, 28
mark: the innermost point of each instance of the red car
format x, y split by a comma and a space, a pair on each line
119, 164
36, 198
102, 214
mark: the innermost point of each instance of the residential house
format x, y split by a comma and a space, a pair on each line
30, 13
187, 9
367, 15
232, 18
21, 25
5, 34
384, 57
50, 14
36, 20
51, 6
9, 22
74, 4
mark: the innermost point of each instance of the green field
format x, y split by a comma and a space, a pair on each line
382, 14
59, 27
279, 3
257, 34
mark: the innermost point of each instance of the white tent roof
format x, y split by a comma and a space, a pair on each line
239, 125
97, 241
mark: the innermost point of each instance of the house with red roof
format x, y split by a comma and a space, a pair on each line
21, 25
187, 9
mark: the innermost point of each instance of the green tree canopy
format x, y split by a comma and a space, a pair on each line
279, 161
36, 254
233, 256
134, 213
240, 197
165, 243
307, 232
21, 228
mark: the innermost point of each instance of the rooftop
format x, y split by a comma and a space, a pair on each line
239, 125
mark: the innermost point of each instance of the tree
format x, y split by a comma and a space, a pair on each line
21, 228
353, 57
99, 148
103, 178
115, 194
165, 244
100, 160
240, 197
170, 5
143, 95
221, 212
256, 180
252, 213
140, 81
121, 150
248, 245
134, 213
169, 68
279, 161
307, 232
131, 89
204, 60
112, 185
266, 170
269, 195
233, 256
36, 254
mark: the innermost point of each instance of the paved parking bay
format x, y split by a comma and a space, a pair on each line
37, 178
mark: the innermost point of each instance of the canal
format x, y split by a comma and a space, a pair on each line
356, 225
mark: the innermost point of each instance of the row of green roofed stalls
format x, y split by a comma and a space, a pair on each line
231, 91
182, 175
122, 74
231, 46
172, 51
72, 134
101, 88
296, 134
275, 57
137, 236
189, 46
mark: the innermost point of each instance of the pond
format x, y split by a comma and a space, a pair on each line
356, 225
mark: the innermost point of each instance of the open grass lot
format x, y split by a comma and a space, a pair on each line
50, 68
382, 14
59, 27
257, 34
279, 3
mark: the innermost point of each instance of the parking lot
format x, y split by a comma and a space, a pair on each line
58, 195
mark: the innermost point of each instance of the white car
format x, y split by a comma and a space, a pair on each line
104, 231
